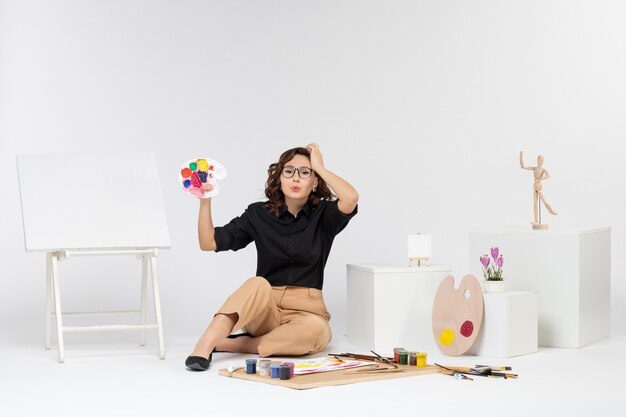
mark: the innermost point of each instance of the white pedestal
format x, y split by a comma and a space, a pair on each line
509, 325
571, 272
392, 306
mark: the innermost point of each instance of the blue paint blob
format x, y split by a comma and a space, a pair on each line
187, 183
202, 175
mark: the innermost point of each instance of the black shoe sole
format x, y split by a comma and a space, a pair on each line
196, 367
198, 363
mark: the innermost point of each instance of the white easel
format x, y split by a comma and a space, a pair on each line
135, 224
148, 260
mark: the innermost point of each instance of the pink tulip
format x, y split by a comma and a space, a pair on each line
500, 261
494, 252
485, 260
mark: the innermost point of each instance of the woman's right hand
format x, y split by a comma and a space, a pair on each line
205, 188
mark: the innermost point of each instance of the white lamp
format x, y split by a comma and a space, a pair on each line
419, 249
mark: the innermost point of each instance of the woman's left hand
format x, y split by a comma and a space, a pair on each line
317, 163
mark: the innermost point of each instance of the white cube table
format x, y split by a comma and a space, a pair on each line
509, 325
392, 306
570, 271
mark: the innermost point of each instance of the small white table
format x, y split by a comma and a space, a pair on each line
509, 325
569, 269
390, 306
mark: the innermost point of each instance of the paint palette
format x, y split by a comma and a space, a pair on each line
457, 315
197, 172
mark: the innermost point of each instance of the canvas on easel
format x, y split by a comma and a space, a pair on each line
93, 205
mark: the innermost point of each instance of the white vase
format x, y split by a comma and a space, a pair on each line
493, 286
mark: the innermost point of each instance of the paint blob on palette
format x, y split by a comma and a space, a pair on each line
197, 172
457, 315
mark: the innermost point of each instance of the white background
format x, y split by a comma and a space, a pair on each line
422, 105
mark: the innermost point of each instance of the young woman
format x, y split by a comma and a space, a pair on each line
281, 309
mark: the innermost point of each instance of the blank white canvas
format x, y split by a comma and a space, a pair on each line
96, 201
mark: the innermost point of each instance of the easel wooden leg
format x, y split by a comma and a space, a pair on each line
48, 297
157, 305
144, 285
58, 313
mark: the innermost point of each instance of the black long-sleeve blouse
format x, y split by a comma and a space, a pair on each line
291, 250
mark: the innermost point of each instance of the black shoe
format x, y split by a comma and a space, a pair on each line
198, 363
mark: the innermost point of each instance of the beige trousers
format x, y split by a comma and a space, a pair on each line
289, 320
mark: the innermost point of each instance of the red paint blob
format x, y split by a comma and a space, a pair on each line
467, 328
195, 180
185, 172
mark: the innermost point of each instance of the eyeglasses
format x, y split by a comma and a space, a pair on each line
303, 172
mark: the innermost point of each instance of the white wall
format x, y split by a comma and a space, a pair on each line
422, 105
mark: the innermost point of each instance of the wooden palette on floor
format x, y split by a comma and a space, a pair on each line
457, 315
325, 379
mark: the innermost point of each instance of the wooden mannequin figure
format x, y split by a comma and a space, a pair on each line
540, 174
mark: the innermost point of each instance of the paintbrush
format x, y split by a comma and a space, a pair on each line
495, 368
480, 371
357, 356
352, 356
465, 369
455, 373
377, 370
504, 375
368, 356
385, 360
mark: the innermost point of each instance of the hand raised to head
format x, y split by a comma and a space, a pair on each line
317, 162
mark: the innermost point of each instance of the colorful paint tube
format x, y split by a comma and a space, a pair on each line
251, 366
395, 354
264, 367
292, 368
284, 371
275, 370
421, 359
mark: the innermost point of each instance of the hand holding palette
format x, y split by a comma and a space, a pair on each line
198, 172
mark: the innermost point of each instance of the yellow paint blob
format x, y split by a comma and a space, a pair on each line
446, 337
203, 165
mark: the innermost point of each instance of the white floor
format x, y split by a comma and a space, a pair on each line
125, 380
